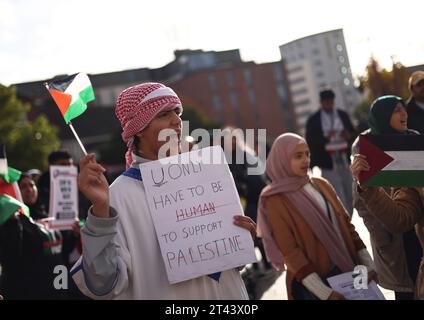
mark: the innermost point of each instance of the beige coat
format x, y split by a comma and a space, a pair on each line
302, 250
388, 247
399, 212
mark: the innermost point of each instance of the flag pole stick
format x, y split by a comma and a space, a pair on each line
72, 128
77, 137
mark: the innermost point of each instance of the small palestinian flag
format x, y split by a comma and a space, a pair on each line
9, 184
9, 206
395, 160
71, 95
3, 160
10, 195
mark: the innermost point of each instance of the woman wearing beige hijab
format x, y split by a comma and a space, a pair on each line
305, 226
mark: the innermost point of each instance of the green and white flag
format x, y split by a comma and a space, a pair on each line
9, 184
11, 175
9, 206
71, 95
395, 160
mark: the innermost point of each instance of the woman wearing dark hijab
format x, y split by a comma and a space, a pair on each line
390, 214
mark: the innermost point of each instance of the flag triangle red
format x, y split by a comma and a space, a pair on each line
63, 100
376, 158
7, 188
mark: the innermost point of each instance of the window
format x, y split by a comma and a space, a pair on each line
346, 81
278, 73
201, 61
234, 105
212, 82
38, 102
304, 114
296, 69
247, 77
303, 102
342, 59
216, 102
131, 75
343, 70
320, 74
112, 98
299, 92
230, 79
297, 80
315, 51
282, 93
339, 47
318, 63
252, 96
234, 99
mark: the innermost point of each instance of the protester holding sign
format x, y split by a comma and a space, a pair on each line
304, 225
56, 158
121, 254
390, 215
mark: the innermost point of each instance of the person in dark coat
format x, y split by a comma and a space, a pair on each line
415, 104
29, 251
329, 134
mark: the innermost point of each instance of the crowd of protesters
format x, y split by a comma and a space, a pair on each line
303, 223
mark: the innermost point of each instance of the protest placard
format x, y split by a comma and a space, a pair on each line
192, 199
63, 210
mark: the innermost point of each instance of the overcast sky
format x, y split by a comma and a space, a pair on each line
43, 38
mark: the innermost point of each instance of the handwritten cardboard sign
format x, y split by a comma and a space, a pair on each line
192, 202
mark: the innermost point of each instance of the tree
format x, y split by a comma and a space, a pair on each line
361, 114
28, 144
381, 82
197, 119
378, 82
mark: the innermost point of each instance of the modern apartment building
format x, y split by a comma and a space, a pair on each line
314, 63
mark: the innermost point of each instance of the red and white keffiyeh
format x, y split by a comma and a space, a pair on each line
137, 106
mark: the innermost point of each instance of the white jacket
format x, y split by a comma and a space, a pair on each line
122, 259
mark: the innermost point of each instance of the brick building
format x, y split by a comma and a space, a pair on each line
219, 84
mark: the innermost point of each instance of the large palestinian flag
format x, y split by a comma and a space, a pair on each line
72, 94
395, 160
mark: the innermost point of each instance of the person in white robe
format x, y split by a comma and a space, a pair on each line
121, 255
